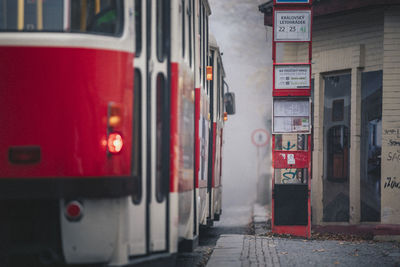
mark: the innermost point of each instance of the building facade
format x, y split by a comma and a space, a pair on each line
356, 111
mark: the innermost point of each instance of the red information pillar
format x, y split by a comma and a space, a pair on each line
291, 121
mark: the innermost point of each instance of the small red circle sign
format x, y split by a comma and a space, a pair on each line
260, 137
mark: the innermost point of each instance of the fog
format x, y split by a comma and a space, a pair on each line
239, 29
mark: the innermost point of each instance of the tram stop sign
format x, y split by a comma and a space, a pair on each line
260, 137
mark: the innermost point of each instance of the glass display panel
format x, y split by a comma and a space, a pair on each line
291, 116
291, 176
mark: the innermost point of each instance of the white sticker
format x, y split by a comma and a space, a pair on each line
290, 159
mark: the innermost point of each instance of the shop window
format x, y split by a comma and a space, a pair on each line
337, 107
371, 145
338, 110
338, 153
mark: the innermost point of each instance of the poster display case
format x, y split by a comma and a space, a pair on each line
291, 115
292, 79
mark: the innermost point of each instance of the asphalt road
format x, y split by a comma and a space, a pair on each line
234, 220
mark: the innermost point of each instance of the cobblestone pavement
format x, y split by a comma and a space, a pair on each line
234, 221
253, 250
239, 250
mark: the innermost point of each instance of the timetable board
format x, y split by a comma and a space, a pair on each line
291, 115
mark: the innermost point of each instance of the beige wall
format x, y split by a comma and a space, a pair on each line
354, 43
390, 202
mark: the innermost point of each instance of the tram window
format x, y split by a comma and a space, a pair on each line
31, 15
138, 26
183, 28
204, 45
218, 90
211, 87
162, 30
201, 43
190, 32
101, 17
206, 41
162, 155
136, 144
86, 16
200, 19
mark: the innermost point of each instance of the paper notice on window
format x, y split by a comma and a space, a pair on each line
291, 159
282, 124
292, 107
291, 124
300, 124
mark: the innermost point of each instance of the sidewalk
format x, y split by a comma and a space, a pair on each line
263, 250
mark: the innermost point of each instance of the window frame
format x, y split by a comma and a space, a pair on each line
119, 31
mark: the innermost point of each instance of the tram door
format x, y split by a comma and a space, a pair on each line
149, 215
158, 110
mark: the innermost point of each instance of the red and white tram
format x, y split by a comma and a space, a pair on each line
218, 117
211, 122
110, 129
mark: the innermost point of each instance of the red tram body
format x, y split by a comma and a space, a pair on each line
111, 145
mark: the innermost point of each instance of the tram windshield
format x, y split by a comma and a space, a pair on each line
83, 16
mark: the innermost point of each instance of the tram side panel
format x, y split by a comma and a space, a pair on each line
215, 187
138, 221
183, 125
203, 124
219, 140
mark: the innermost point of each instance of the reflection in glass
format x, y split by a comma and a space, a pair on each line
138, 27
161, 138
371, 144
337, 107
161, 29
137, 139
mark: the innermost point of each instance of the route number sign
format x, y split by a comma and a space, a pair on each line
292, 76
292, 26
